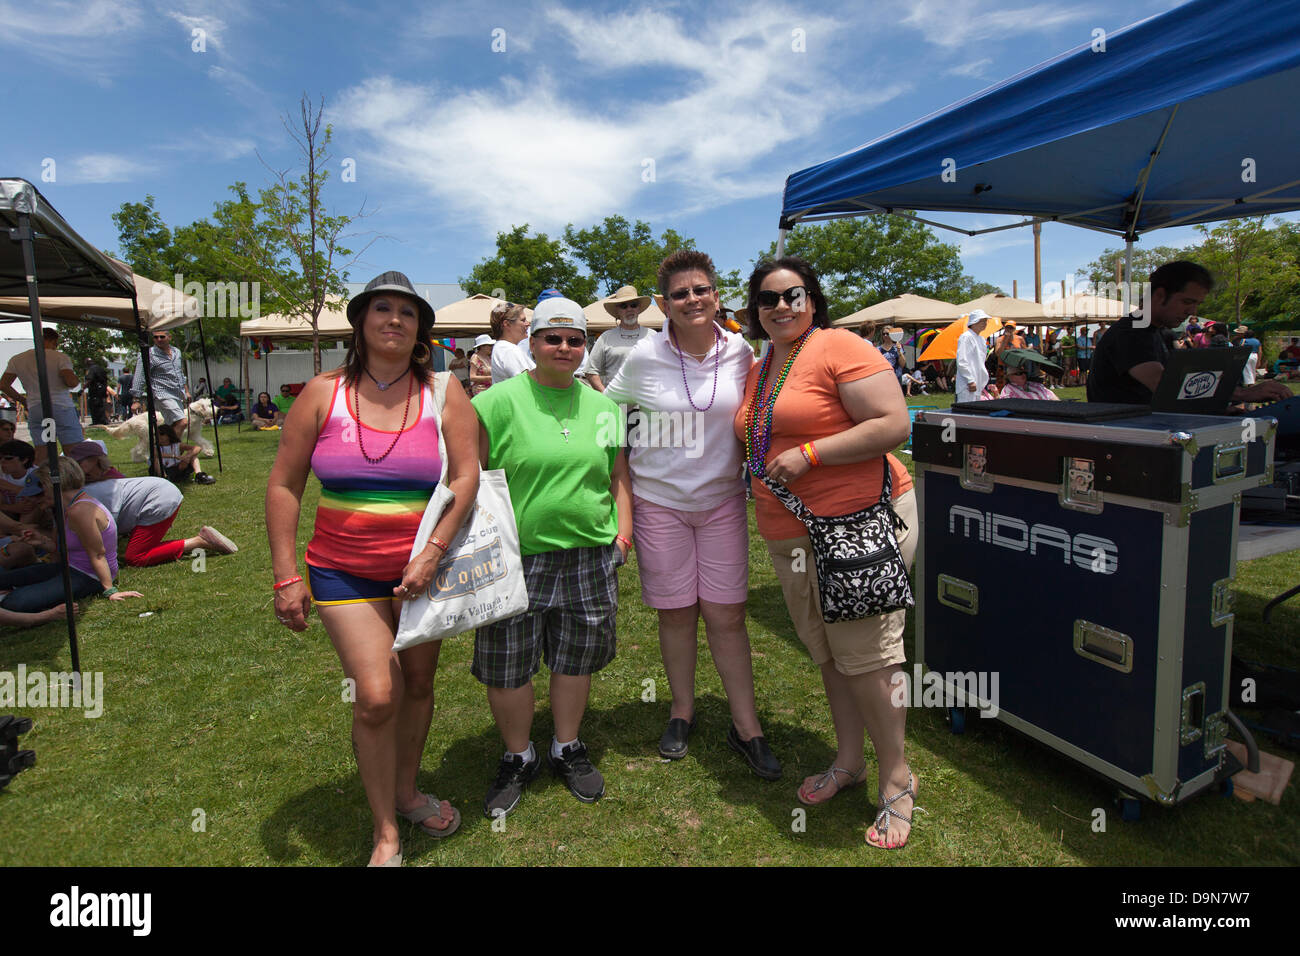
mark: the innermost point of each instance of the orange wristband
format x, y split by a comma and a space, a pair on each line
810, 452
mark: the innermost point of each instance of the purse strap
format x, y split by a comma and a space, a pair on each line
801, 511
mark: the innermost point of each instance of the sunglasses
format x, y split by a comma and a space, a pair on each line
1017, 371
699, 291
554, 339
160, 336
795, 296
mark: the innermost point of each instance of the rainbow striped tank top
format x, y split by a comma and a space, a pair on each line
369, 513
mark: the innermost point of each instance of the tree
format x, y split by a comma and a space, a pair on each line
81, 343
868, 259
293, 213
1102, 270
618, 253
524, 265
1240, 254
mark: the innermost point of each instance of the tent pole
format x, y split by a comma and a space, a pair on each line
1128, 274
25, 239
780, 243
212, 407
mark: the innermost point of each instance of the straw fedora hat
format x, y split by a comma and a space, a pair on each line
622, 297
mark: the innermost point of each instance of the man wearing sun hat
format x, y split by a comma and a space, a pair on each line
972, 356
612, 347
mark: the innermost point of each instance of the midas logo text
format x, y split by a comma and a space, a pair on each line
1015, 534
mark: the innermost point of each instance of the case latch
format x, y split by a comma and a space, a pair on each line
958, 594
1078, 486
1223, 602
1216, 734
975, 468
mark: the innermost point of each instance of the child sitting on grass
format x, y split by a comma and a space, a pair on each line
180, 459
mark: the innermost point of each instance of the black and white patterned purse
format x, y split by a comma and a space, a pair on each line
860, 570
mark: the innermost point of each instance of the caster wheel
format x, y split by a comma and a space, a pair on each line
957, 719
1130, 809
1225, 787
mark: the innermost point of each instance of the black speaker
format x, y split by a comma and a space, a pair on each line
12, 760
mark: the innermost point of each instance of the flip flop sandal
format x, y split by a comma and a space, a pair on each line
826, 779
887, 810
432, 808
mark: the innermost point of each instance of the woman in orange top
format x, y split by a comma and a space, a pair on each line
823, 386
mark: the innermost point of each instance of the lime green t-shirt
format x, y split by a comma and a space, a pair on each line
559, 488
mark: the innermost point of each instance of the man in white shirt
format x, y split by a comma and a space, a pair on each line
61, 377
972, 354
611, 349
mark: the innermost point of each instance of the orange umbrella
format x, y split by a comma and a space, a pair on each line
944, 345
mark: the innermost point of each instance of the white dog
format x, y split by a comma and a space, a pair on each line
138, 426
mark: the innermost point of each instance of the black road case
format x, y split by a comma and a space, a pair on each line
1089, 566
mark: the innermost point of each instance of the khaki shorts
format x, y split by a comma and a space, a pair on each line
856, 647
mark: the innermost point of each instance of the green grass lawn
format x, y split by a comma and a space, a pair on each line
224, 741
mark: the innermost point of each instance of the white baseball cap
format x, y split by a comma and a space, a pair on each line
558, 313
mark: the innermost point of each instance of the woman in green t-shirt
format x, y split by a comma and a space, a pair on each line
558, 442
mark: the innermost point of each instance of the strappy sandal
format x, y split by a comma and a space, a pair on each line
432, 808
826, 779
887, 810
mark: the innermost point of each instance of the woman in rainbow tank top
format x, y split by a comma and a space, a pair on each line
369, 433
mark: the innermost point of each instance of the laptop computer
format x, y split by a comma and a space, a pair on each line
1200, 381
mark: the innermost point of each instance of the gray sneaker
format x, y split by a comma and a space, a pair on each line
512, 774
583, 779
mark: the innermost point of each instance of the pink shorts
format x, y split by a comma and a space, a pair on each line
684, 556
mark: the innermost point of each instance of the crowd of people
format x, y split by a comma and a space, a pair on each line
582, 500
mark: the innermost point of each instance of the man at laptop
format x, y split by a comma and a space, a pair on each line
1130, 358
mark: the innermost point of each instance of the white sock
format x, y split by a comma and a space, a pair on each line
557, 748
529, 755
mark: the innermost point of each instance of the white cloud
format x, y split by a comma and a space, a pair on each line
106, 168
971, 68
963, 23
972, 246
211, 28
566, 144
76, 34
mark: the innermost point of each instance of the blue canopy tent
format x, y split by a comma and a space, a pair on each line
1181, 118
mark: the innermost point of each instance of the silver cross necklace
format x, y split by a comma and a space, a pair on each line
551, 408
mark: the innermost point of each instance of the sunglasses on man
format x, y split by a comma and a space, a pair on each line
699, 291
554, 339
795, 296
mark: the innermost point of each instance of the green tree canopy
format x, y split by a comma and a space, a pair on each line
869, 259
525, 265
618, 253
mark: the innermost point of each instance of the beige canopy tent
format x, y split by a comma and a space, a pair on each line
1079, 307
1008, 309
332, 323
468, 317
161, 306
599, 320
906, 309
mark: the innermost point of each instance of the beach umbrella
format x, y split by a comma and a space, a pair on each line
944, 345
1022, 356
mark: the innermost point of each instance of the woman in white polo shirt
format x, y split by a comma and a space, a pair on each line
689, 518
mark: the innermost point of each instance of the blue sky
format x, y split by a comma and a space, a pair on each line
465, 118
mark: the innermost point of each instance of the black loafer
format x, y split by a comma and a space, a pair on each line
672, 745
757, 754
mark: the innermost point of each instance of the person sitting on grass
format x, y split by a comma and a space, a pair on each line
264, 413
144, 509
228, 410
16, 459
22, 619
180, 459
90, 538
1018, 384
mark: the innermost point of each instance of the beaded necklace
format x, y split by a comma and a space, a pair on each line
758, 435
717, 360
361, 430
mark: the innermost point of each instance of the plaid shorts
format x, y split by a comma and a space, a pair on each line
572, 604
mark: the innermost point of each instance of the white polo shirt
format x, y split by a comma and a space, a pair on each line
679, 456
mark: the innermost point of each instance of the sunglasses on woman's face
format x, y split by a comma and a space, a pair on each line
554, 339
699, 291
795, 296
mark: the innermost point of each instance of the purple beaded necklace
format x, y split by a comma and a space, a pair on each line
717, 360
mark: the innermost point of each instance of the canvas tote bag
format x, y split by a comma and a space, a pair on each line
480, 580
